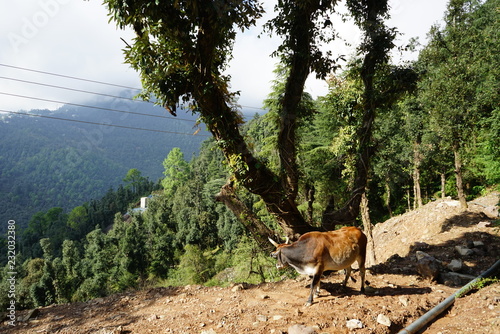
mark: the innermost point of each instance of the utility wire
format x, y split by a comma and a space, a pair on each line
95, 107
102, 124
87, 80
68, 77
73, 89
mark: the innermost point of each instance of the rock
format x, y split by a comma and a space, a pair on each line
237, 287
30, 315
209, 331
262, 318
448, 203
420, 255
118, 330
300, 329
277, 317
478, 251
478, 244
354, 323
455, 265
404, 300
384, 320
427, 266
455, 279
152, 317
464, 251
491, 212
484, 224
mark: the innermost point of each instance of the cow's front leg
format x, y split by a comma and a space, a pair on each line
314, 288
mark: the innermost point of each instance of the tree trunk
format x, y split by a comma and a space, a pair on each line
378, 40
300, 67
417, 193
443, 185
417, 161
310, 191
367, 224
252, 173
409, 198
388, 196
459, 180
250, 221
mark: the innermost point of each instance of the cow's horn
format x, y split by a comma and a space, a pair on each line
287, 240
273, 242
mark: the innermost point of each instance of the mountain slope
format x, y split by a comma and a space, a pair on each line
48, 162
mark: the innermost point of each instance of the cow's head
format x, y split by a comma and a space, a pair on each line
277, 253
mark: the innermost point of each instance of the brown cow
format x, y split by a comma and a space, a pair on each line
315, 252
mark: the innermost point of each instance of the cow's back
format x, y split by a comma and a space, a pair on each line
343, 247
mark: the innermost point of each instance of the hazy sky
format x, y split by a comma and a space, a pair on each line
73, 38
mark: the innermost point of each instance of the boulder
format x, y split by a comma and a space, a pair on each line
427, 266
464, 251
455, 265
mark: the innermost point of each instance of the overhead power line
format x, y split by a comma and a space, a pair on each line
73, 89
69, 77
86, 80
95, 107
101, 124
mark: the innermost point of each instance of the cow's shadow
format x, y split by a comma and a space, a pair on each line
331, 285
337, 290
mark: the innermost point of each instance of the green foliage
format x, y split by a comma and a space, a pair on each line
176, 170
460, 77
251, 265
134, 178
195, 267
178, 40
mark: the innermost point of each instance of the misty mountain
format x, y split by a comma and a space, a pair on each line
48, 162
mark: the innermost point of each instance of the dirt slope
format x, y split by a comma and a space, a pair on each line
397, 293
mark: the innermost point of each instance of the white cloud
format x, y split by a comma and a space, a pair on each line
74, 38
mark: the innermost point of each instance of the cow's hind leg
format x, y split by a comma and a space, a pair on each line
362, 272
347, 275
314, 288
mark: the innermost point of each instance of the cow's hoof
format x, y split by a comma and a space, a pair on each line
308, 304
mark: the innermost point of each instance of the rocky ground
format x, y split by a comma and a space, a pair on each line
398, 294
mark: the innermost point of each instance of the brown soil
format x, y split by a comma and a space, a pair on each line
396, 291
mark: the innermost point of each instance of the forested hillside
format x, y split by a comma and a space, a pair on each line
47, 162
386, 139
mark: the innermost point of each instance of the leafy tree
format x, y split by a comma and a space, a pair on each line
182, 48
176, 170
69, 270
135, 178
96, 264
77, 217
195, 267
453, 89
